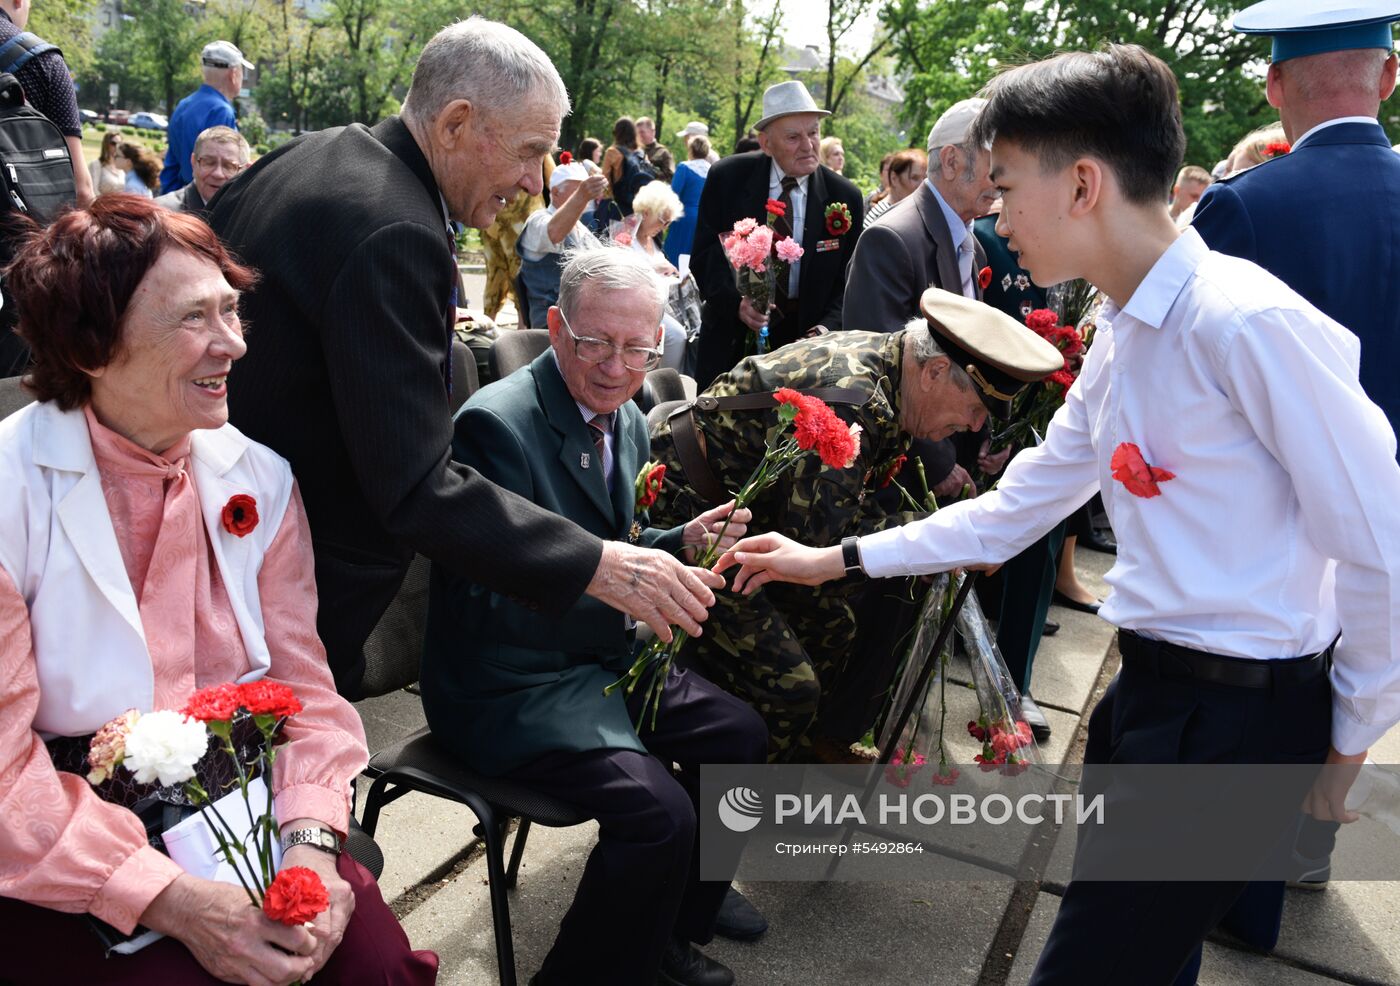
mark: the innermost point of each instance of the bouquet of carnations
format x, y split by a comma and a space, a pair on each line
805, 424
759, 257
1037, 404
166, 749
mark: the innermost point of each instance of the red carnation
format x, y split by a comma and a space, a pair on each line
295, 896
565, 157
1132, 470
218, 703
977, 731
893, 470
240, 514
1042, 320
818, 427
1062, 377
947, 779
1276, 147
269, 698
984, 278
775, 208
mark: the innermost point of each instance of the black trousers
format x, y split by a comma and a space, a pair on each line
1027, 587
641, 882
1112, 933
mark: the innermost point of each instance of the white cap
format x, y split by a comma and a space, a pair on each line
955, 123
573, 171
223, 54
694, 129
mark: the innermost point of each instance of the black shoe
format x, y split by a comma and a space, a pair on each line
738, 919
682, 964
1040, 726
1051, 628
1310, 874
1098, 542
1060, 599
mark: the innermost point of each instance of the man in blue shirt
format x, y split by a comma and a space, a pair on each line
211, 105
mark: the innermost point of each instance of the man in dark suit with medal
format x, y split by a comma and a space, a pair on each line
824, 214
351, 373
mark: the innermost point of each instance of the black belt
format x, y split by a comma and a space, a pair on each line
1174, 661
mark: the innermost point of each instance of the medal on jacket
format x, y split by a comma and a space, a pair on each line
583, 459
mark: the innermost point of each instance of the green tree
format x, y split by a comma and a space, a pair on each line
951, 50
68, 24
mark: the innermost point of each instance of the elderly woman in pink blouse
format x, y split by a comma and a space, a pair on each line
121, 588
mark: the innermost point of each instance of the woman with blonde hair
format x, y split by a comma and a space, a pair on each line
654, 208
107, 176
1258, 146
833, 153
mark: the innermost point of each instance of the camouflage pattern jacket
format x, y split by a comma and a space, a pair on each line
810, 503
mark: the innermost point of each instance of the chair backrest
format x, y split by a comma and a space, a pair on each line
464, 380
12, 396
658, 415
516, 348
394, 649
662, 384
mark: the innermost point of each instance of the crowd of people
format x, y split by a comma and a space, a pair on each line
1256, 583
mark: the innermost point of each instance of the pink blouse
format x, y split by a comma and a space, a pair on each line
63, 847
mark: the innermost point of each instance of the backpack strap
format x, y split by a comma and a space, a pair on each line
16, 52
11, 92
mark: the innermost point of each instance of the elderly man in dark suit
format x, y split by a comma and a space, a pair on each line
520, 695
351, 375
824, 215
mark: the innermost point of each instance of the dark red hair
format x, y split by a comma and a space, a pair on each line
73, 280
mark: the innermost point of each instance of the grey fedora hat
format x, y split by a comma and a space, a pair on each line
785, 99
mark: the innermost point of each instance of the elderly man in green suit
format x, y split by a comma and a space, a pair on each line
517, 693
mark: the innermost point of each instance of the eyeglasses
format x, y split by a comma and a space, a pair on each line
635, 358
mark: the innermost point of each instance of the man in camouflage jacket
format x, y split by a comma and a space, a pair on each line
781, 649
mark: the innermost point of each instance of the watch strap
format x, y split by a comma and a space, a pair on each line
318, 837
850, 556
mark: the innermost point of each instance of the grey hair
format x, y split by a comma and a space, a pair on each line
494, 66
968, 152
926, 348
604, 268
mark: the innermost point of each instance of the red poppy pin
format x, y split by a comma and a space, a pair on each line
1133, 471
838, 218
984, 278
240, 514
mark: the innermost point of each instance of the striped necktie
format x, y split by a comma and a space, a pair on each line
598, 426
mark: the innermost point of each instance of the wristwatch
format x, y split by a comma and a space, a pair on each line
319, 837
850, 557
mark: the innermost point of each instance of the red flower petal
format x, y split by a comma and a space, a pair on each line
984, 278
240, 514
269, 698
295, 896
1132, 470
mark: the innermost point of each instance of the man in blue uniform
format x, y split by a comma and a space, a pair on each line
211, 105
1325, 218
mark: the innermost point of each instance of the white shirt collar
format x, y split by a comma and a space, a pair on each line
1154, 297
957, 229
1332, 123
776, 176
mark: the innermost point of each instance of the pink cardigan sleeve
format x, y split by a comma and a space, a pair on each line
326, 741
61, 846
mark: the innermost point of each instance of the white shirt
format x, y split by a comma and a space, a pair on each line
1332, 123
799, 217
535, 243
1280, 528
961, 234
609, 440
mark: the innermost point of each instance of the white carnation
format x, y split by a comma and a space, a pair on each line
164, 747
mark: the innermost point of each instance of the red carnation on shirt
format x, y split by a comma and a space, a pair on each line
893, 470
775, 208
295, 896
240, 514
1134, 472
984, 278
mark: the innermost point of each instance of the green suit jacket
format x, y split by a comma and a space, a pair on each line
503, 683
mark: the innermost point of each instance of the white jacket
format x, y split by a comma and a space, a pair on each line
58, 545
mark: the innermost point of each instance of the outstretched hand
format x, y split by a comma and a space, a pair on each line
773, 558
705, 530
654, 588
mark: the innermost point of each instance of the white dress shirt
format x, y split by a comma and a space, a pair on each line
1280, 529
961, 234
799, 217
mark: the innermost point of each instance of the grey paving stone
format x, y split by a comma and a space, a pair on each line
1220, 964
1350, 928
418, 835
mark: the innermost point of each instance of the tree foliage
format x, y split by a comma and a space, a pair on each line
950, 50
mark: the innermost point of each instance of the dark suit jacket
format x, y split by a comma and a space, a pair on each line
1325, 220
186, 199
908, 250
737, 188
348, 344
504, 684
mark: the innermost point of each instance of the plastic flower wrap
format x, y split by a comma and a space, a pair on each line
805, 424
759, 258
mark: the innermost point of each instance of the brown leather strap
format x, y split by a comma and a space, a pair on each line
686, 434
